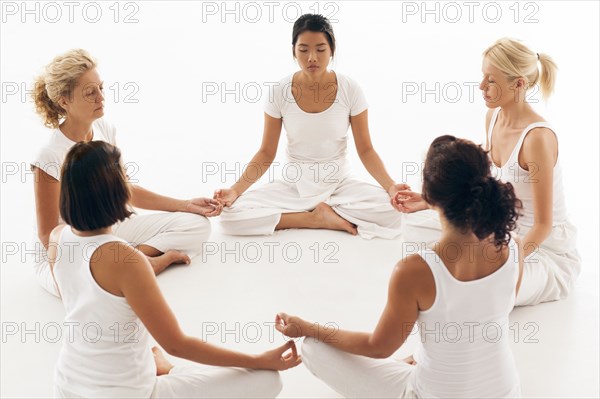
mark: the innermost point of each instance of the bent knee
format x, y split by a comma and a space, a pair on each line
195, 223
270, 383
312, 351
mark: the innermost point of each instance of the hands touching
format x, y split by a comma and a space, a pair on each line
204, 206
394, 190
404, 200
226, 196
408, 201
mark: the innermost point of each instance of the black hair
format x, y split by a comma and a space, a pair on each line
313, 23
94, 192
457, 179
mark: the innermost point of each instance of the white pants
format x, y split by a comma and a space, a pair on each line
551, 270
180, 231
258, 211
355, 376
548, 273
200, 381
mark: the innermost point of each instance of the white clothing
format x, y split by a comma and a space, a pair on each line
522, 179
317, 170
464, 351
52, 156
551, 270
446, 366
322, 136
201, 381
257, 212
164, 231
107, 351
354, 376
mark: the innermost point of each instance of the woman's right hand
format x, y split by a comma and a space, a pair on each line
408, 201
226, 196
277, 359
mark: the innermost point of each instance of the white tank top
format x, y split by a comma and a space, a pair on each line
522, 179
464, 350
106, 350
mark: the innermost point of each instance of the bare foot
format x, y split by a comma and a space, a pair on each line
410, 360
331, 220
161, 262
162, 364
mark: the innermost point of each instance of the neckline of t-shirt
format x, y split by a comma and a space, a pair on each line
336, 99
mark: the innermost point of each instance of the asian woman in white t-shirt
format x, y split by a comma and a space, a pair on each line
315, 106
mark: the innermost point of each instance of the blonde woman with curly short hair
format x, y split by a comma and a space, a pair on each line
69, 98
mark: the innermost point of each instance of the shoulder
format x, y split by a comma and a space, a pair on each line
281, 84
277, 90
56, 232
540, 141
411, 272
122, 258
50, 157
346, 82
106, 129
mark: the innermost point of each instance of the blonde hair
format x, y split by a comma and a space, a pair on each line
516, 60
58, 80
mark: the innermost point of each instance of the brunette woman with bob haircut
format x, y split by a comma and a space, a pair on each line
108, 283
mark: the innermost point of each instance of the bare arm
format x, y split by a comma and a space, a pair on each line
146, 199
264, 157
366, 152
521, 260
394, 326
259, 164
53, 252
540, 153
47, 193
138, 285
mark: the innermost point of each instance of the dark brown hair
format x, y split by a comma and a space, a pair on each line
457, 179
94, 192
313, 23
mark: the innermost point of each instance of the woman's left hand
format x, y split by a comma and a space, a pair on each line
293, 326
204, 206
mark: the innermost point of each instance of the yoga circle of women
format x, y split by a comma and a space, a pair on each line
506, 199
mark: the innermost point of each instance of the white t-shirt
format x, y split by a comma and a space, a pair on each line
51, 157
316, 137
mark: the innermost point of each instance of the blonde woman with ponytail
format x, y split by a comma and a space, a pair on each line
69, 98
523, 149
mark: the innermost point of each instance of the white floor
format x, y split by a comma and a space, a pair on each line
321, 275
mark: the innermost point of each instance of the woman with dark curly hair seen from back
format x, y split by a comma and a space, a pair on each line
459, 293
524, 151
107, 283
